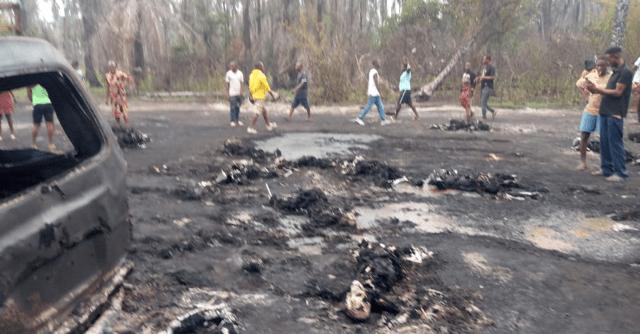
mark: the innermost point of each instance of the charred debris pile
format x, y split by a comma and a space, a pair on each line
131, 138
314, 204
594, 146
504, 186
394, 287
462, 125
262, 165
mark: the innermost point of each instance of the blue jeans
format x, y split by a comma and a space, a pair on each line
373, 100
612, 146
234, 103
486, 93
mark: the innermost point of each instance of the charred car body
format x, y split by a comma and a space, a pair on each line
64, 228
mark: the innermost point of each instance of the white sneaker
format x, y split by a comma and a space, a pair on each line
615, 178
13, 137
52, 148
233, 124
240, 123
251, 130
359, 121
385, 122
272, 126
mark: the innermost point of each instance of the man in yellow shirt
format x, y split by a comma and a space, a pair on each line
258, 90
590, 117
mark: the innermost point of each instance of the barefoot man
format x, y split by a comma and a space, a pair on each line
116, 92
590, 117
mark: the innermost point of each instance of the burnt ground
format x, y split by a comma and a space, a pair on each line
554, 264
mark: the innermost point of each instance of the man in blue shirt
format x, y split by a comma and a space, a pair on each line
405, 91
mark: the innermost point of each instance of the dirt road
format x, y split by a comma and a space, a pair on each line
554, 264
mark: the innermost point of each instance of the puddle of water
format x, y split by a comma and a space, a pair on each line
422, 214
308, 246
321, 145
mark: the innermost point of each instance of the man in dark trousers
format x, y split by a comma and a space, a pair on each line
613, 110
486, 79
301, 96
405, 91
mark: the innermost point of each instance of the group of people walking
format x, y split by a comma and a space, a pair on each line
259, 89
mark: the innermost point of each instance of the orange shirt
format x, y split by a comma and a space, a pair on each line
593, 105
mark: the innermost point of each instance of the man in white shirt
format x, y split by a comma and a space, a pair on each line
234, 80
375, 98
636, 83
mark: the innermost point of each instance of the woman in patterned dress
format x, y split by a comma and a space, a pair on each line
117, 82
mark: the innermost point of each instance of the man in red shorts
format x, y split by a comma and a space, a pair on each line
6, 109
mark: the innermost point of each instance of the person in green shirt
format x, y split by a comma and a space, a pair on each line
42, 109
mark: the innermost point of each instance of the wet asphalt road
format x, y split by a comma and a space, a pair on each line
555, 265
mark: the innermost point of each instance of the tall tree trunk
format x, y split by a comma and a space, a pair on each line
620, 22
319, 10
29, 18
89, 10
246, 33
259, 16
427, 90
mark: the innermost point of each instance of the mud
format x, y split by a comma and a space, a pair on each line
320, 145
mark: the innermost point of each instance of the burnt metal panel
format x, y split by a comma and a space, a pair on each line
60, 239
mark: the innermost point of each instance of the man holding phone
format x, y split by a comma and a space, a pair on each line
613, 109
590, 117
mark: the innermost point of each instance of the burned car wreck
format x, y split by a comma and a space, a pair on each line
64, 228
